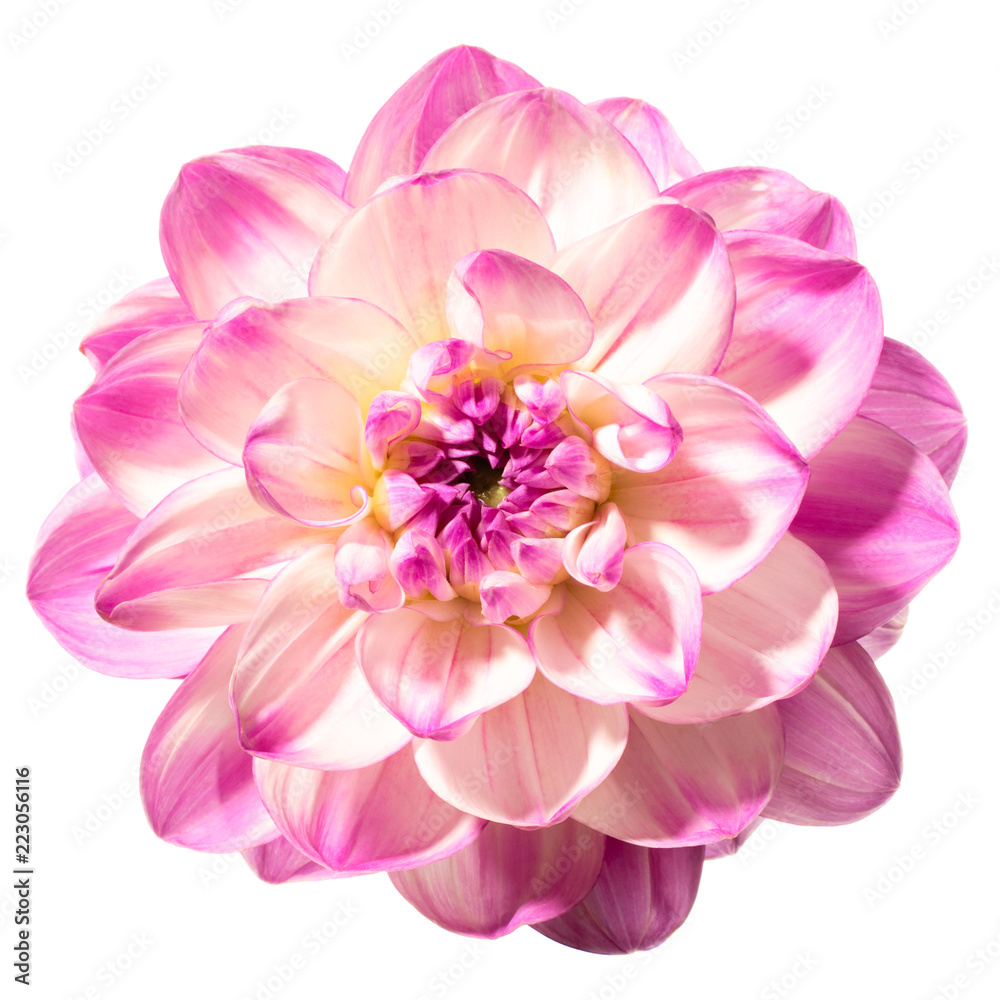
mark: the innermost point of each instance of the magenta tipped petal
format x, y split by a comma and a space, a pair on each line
199, 792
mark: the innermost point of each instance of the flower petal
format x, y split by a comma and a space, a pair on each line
652, 135
248, 222
660, 289
576, 167
302, 454
637, 642
912, 397
594, 553
842, 752
806, 336
77, 547
761, 639
394, 251
184, 564
279, 861
406, 126
298, 694
677, 786
529, 761
629, 424
196, 781
436, 676
879, 641
130, 427
641, 896
878, 513
151, 306
518, 309
376, 818
507, 878
253, 349
731, 490
770, 201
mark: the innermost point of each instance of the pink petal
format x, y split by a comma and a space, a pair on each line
842, 752
377, 818
518, 309
912, 397
302, 454
770, 201
660, 290
731, 490
436, 676
278, 861
391, 417
507, 878
652, 135
151, 306
406, 126
529, 761
631, 426
878, 513
130, 427
879, 641
761, 639
418, 565
433, 367
77, 547
298, 694
641, 896
253, 349
362, 568
731, 845
395, 252
196, 781
677, 786
182, 565
575, 166
637, 642
594, 554
248, 222
507, 595
806, 336
574, 464
539, 560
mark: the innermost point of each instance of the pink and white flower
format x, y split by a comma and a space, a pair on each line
521, 508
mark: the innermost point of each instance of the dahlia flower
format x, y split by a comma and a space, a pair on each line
522, 509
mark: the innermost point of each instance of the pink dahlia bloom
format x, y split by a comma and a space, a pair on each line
522, 509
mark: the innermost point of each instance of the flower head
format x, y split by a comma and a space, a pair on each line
522, 509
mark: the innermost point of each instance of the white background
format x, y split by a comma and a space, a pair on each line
791, 916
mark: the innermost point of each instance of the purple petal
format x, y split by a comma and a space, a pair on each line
842, 752
912, 397
641, 896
